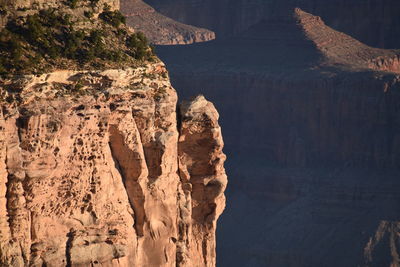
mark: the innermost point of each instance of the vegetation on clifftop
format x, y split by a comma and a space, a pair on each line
63, 38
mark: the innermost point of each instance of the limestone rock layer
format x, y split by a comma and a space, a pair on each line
95, 168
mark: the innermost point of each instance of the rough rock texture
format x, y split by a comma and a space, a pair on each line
201, 168
374, 22
160, 29
340, 48
42, 4
312, 131
89, 175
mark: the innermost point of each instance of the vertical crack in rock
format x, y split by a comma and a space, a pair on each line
130, 161
152, 151
4, 224
68, 248
71, 174
19, 219
201, 168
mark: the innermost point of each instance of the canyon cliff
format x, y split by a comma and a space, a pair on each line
104, 175
99, 164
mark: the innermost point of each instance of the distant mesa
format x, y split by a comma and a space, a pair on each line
294, 42
339, 48
160, 29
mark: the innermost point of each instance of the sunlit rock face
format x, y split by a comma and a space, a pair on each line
104, 172
40, 4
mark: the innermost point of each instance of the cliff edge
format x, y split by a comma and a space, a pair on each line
98, 166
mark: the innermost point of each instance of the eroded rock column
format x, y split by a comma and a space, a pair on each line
203, 180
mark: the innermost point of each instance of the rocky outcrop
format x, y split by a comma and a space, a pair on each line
201, 168
95, 168
160, 29
23, 5
340, 48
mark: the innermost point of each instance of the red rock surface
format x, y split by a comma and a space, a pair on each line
91, 177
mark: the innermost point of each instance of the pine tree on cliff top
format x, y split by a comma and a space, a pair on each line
69, 34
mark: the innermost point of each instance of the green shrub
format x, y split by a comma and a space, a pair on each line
139, 46
3, 70
114, 18
35, 30
94, 2
33, 43
96, 42
88, 14
86, 55
73, 42
3, 9
121, 32
15, 49
72, 3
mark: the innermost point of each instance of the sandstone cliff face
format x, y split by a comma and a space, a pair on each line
201, 168
160, 29
95, 168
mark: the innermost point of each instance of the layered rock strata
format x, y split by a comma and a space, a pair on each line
95, 168
312, 94
373, 22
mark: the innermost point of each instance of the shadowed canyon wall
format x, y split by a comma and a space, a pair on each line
350, 120
373, 22
312, 127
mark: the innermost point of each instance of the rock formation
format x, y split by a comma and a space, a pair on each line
91, 176
98, 163
201, 168
160, 29
41, 4
339, 48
